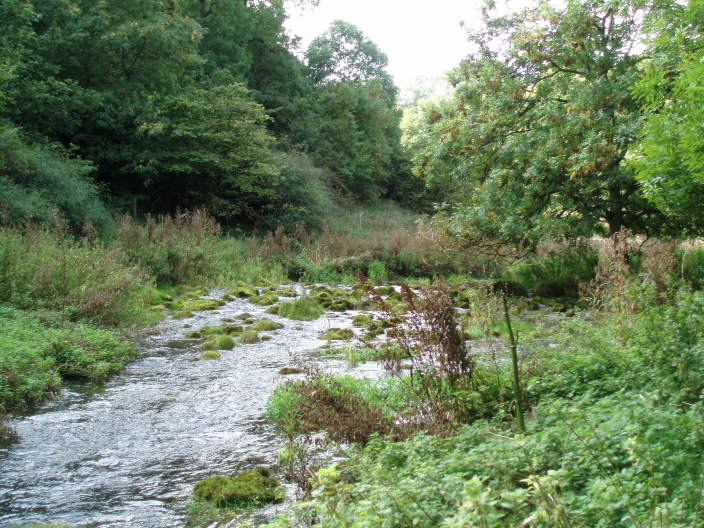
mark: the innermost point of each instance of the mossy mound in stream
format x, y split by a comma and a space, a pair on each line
243, 292
338, 334
249, 336
219, 342
273, 309
335, 299
210, 354
265, 325
254, 486
301, 309
199, 305
264, 300
243, 316
287, 292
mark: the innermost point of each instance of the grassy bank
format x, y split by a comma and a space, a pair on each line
615, 434
56, 287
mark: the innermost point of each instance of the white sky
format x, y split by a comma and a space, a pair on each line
422, 38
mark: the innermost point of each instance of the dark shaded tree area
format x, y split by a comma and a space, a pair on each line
160, 105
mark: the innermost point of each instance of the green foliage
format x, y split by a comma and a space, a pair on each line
254, 486
541, 119
614, 438
37, 181
38, 350
564, 267
693, 267
304, 308
668, 159
209, 147
83, 278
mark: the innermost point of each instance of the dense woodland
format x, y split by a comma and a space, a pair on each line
151, 148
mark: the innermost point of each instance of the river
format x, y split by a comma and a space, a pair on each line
129, 452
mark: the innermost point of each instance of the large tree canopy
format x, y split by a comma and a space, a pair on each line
541, 123
669, 160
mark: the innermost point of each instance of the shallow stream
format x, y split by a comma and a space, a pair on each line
128, 453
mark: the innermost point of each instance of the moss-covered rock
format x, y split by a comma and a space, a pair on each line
385, 290
264, 300
210, 354
273, 309
338, 334
266, 325
249, 336
287, 292
301, 309
195, 334
233, 329
373, 333
265, 337
219, 342
243, 292
243, 316
254, 486
182, 314
199, 305
287, 371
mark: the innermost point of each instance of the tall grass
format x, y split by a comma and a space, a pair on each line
47, 268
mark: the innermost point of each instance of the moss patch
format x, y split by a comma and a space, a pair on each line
199, 305
219, 342
255, 486
264, 300
249, 336
210, 354
301, 309
338, 334
266, 325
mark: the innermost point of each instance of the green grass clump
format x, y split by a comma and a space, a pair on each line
200, 305
254, 486
219, 342
39, 350
614, 438
249, 337
302, 309
265, 325
338, 334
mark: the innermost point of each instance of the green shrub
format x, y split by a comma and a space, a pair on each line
562, 268
84, 278
693, 267
304, 308
39, 180
38, 350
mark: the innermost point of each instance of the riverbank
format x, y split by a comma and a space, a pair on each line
614, 432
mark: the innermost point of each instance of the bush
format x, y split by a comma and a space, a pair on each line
302, 309
562, 269
84, 278
693, 267
37, 181
38, 350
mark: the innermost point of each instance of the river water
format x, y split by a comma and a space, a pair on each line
128, 453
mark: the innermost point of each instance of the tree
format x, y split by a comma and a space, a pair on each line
209, 147
343, 53
669, 159
541, 123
